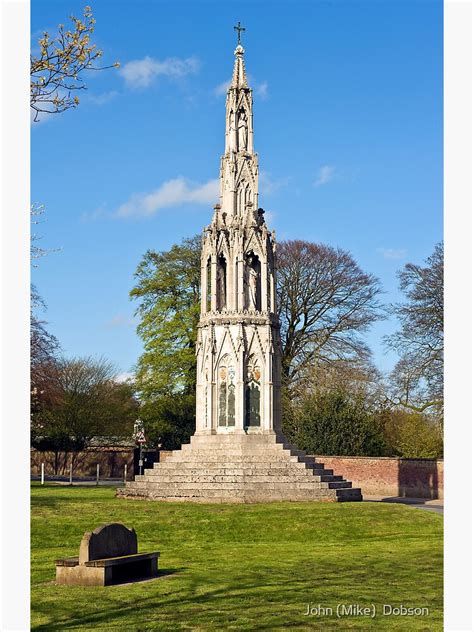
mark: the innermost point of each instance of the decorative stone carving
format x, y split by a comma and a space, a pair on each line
240, 317
242, 131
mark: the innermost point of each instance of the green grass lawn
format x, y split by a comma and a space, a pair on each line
243, 567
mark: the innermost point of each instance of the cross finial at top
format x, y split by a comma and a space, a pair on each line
238, 28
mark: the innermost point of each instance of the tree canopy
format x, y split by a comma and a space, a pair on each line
167, 288
79, 399
325, 302
417, 379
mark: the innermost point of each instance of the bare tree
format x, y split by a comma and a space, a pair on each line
44, 346
417, 379
81, 399
36, 252
326, 302
56, 70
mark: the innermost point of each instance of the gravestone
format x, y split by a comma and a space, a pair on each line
109, 540
107, 555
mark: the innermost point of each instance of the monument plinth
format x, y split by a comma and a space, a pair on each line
238, 453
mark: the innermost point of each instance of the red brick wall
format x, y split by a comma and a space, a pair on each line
387, 476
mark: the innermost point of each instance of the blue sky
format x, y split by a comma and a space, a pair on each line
348, 127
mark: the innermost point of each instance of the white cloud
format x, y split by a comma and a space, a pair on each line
140, 73
100, 99
119, 320
99, 213
269, 217
325, 175
268, 185
392, 253
261, 90
222, 88
171, 193
124, 377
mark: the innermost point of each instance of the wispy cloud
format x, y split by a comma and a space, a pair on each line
140, 73
269, 185
325, 174
101, 99
260, 88
392, 253
171, 193
222, 88
119, 320
124, 377
269, 218
99, 213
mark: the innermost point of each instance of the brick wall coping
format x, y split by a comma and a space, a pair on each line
375, 458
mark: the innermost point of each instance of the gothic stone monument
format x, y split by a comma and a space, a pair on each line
238, 452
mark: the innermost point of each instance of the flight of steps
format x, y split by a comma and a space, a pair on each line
239, 469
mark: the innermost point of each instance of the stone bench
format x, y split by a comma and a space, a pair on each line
108, 555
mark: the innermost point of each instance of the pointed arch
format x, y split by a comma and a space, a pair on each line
253, 389
253, 281
226, 380
221, 283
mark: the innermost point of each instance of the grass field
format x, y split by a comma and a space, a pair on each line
240, 567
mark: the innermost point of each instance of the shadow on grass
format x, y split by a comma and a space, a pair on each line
143, 580
111, 615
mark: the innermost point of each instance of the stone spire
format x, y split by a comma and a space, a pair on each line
239, 77
239, 164
238, 349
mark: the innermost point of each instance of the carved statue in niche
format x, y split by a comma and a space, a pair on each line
242, 130
221, 284
251, 284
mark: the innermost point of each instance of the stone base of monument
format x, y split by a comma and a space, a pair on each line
108, 555
233, 468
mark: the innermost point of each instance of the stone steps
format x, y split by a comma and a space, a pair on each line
224, 457
240, 468
240, 485
279, 461
204, 477
210, 479
239, 496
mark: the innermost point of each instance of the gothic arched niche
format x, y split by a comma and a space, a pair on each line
252, 282
221, 283
253, 392
208, 285
242, 129
226, 392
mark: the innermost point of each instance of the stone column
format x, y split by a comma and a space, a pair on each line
268, 393
212, 410
264, 285
204, 287
240, 283
235, 286
272, 292
240, 396
213, 283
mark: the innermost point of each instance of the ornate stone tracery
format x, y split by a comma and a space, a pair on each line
238, 388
